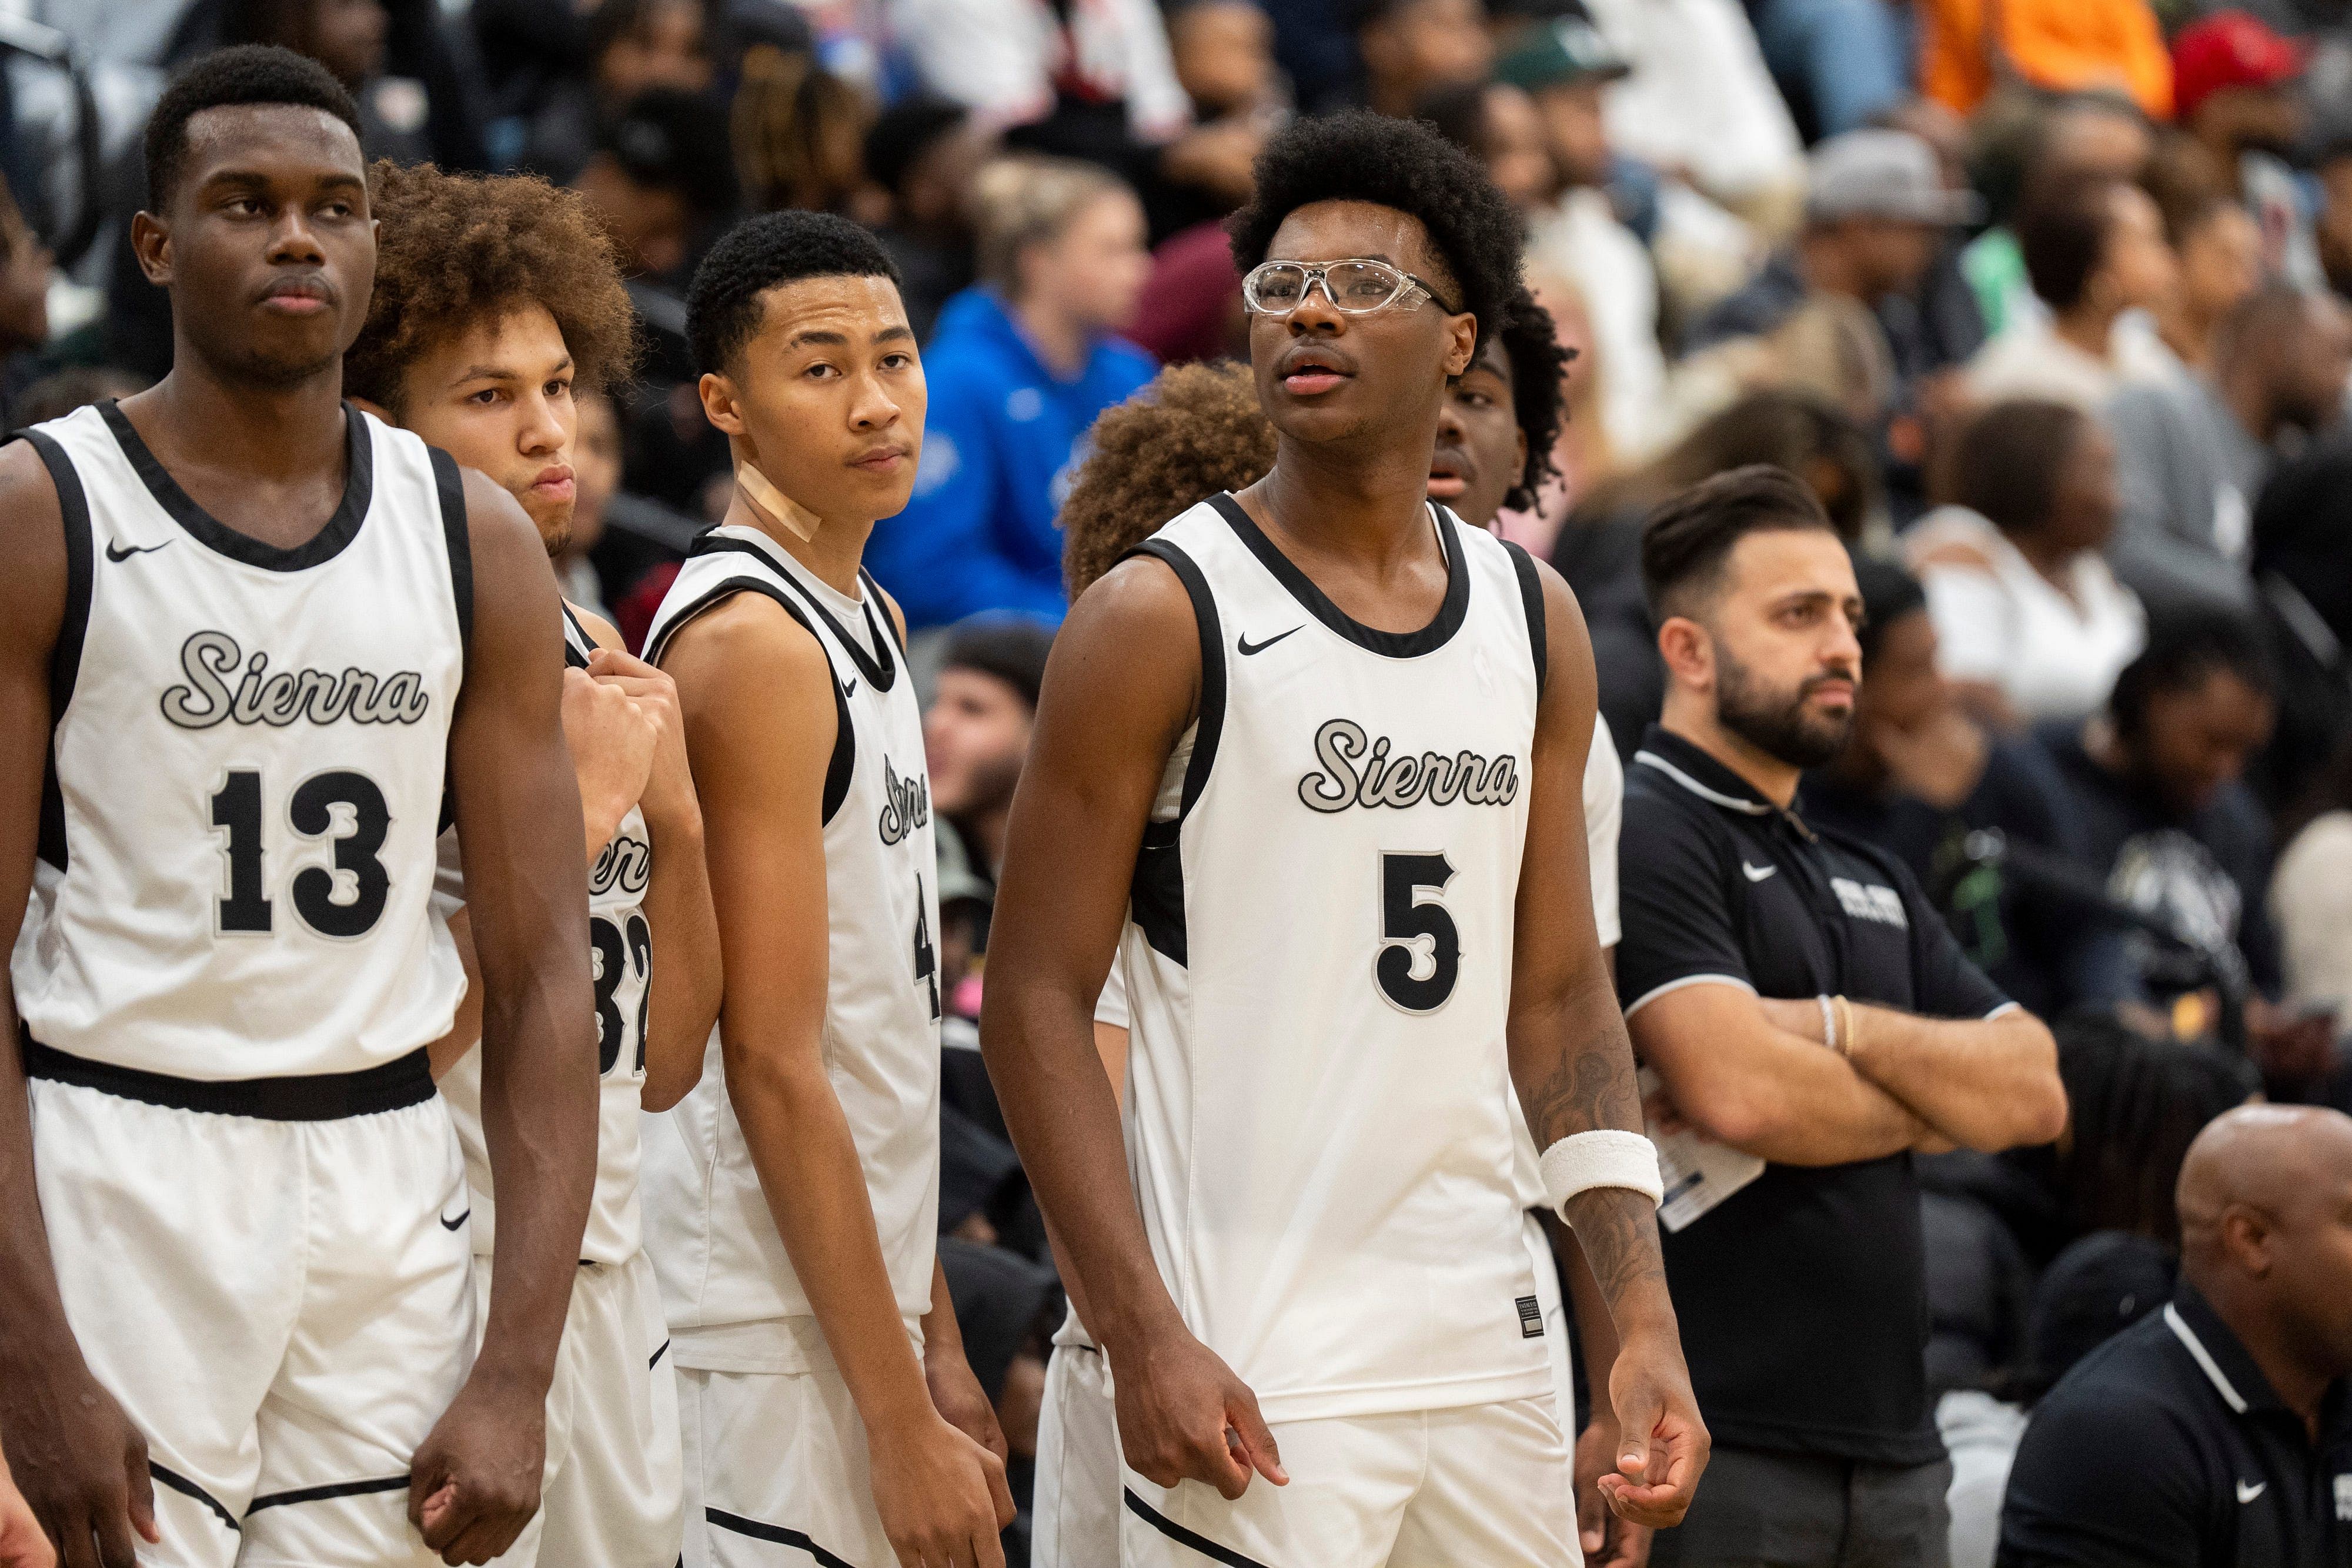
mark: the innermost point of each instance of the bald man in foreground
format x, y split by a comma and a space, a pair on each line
2216, 1433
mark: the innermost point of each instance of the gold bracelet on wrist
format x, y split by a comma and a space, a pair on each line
1845, 1026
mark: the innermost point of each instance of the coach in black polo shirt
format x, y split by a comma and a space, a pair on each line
2217, 1433
1800, 1001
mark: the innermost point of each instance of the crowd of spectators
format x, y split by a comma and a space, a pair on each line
2044, 302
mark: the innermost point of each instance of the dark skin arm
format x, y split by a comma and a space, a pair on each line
1573, 1068
474, 1483
81, 1465
1121, 686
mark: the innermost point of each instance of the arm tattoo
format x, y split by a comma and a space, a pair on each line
1593, 1087
1619, 1232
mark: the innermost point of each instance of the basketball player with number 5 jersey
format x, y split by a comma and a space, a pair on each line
791, 1200
1340, 740
264, 640
495, 300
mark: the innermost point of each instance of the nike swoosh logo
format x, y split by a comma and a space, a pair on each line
2248, 1493
850, 690
1248, 647
452, 1224
1759, 872
121, 552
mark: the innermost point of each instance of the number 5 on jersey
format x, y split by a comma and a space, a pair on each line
358, 873
1412, 910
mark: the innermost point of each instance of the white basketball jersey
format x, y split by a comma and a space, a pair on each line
620, 960
246, 769
715, 1246
1319, 1114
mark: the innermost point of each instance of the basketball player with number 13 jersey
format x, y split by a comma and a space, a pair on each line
280, 638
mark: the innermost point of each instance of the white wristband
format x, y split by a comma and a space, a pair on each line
1603, 1157
1829, 1021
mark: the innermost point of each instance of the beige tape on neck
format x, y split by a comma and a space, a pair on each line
762, 493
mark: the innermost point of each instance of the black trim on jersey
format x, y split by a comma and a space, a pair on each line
359, 486
451, 483
1156, 894
327, 1493
1532, 599
1440, 631
843, 764
574, 659
777, 1533
313, 1097
187, 1488
73, 629
1183, 1537
874, 595
879, 669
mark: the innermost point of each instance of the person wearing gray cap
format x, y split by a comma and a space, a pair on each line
1876, 215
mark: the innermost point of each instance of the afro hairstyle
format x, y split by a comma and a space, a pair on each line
457, 250
722, 306
1539, 361
1359, 156
257, 74
1195, 431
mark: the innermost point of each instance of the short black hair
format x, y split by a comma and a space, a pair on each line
226, 79
668, 138
1688, 538
1538, 381
1888, 594
2184, 649
1011, 648
2010, 460
1359, 156
903, 132
722, 304
2061, 234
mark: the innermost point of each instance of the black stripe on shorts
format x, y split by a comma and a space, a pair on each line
187, 1488
1183, 1537
777, 1533
327, 1493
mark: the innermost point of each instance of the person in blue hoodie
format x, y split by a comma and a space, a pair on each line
1019, 366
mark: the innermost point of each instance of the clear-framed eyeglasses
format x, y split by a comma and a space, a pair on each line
1354, 287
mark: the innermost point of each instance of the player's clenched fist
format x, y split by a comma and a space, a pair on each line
1183, 1415
83, 1464
475, 1481
942, 1497
612, 743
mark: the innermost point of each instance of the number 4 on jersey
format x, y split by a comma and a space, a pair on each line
927, 962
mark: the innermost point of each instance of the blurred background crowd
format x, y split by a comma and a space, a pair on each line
2044, 298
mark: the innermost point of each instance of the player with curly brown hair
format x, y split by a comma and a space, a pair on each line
1196, 430
495, 299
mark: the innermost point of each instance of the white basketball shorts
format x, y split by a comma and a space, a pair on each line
612, 1494
1475, 1484
1075, 1508
283, 1306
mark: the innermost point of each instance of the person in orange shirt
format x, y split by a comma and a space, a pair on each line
1968, 47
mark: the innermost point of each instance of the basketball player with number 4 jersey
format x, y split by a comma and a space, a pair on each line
262, 640
791, 1200
1340, 737
495, 299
